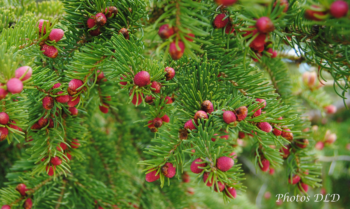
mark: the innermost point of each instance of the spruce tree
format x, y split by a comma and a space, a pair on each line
147, 104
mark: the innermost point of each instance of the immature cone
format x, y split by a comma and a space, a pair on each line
263, 101
319, 145
75, 144
111, 11
241, 113
137, 98
151, 176
100, 19
56, 35
42, 122
207, 106
287, 134
73, 86
56, 161
142, 78
176, 50
50, 170
5, 207
283, 3
170, 73
264, 25
219, 21
277, 132
231, 192
272, 52
265, 165
330, 109
41, 24
311, 14
104, 108
14, 126
24, 70
257, 112
200, 115
73, 101
157, 122
4, 118
229, 117
330, 138
185, 177
190, 39
241, 135
195, 167
51, 123
224, 163
125, 33
95, 32
303, 187
151, 126
48, 103
165, 119
225, 2
265, 126
220, 186
165, 31
90, 23
73, 111
156, 86
295, 179
14, 86
271, 171
3, 92
210, 182
168, 170
62, 147
149, 99
69, 156
100, 76
22, 188
302, 143
285, 151
339, 9
49, 51
168, 100
28, 204
229, 28
189, 125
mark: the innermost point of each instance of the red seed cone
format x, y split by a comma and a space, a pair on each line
22, 188
73, 101
225, 2
330, 109
210, 182
190, 35
176, 50
200, 115
49, 51
319, 145
62, 147
5, 207
168, 100
125, 33
111, 11
168, 170
294, 179
276, 131
257, 112
151, 176
73, 111
100, 75
63, 98
100, 19
229, 28
42, 122
3, 92
224, 163
302, 143
195, 167
229, 117
156, 86
265, 165
329, 138
14, 86
189, 125
137, 98
42, 26
104, 108
48, 103
24, 70
28, 204
265, 126
165, 31
142, 78
69, 156
56, 161
185, 177
14, 126
272, 52
220, 186
264, 25
207, 106
241, 135
74, 86
4, 118
149, 99
311, 14
285, 151
271, 171
339, 9
303, 187
170, 73
56, 35
287, 134
95, 32
166, 119
231, 192
90, 23
241, 113
219, 21
263, 101
75, 144
50, 170
157, 122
